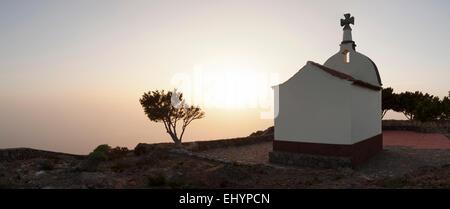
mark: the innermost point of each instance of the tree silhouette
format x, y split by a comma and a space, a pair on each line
170, 108
416, 105
408, 103
389, 100
428, 108
445, 105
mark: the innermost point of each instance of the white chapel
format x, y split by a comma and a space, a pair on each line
330, 114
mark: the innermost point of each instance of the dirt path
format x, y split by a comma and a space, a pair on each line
254, 153
403, 152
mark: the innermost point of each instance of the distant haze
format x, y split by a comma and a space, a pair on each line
72, 72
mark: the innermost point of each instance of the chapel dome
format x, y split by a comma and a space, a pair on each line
351, 62
355, 64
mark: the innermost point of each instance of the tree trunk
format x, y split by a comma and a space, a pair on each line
177, 143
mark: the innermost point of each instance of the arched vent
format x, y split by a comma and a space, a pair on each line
346, 56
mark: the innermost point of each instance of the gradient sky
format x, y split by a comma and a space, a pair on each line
71, 72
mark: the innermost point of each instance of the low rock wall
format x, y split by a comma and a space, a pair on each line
306, 160
28, 153
417, 126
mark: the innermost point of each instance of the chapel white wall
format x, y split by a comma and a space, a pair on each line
366, 113
314, 107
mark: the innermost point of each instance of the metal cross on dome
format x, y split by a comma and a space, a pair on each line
347, 21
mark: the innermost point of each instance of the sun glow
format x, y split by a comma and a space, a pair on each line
227, 88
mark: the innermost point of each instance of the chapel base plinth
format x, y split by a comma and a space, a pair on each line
307, 160
307, 154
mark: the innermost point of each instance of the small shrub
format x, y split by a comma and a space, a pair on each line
157, 180
117, 152
100, 153
104, 152
102, 148
98, 156
139, 150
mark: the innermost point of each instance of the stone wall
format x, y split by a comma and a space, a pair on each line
417, 126
198, 146
307, 160
27, 153
205, 145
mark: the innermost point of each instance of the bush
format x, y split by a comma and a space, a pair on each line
142, 149
117, 152
97, 156
100, 153
102, 148
104, 152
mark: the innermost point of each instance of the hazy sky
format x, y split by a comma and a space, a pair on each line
72, 72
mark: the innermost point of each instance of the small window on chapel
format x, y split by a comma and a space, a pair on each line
346, 56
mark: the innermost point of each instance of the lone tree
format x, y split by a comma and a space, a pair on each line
170, 108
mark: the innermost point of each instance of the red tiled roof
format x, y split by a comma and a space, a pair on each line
347, 77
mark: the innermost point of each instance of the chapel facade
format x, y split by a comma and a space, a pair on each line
330, 114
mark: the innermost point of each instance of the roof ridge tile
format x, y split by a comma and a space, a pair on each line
342, 75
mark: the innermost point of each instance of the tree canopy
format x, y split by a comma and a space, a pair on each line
416, 105
170, 108
388, 100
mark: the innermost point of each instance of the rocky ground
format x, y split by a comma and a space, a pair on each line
392, 160
235, 163
161, 166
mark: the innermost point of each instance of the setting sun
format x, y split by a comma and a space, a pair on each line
227, 88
